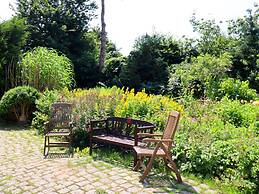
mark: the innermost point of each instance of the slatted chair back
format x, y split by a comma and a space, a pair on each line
171, 127
60, 114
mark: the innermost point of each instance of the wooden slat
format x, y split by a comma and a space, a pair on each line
58, 144
57, 134
120, 141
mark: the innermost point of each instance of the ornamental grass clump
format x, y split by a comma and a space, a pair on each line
44, 68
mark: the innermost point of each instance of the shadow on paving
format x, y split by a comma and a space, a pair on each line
168, 184
6, 126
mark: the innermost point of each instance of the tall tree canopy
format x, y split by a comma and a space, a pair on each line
245, 32
148, 62
61, 24
13, 37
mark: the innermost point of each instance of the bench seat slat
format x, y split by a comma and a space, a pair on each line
116, 140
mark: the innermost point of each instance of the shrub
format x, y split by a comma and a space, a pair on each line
44, 68
100, 103
215, 142
236, 113
236, 90
20, 101
153, 108
201, 76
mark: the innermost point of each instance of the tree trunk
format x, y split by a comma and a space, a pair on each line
103, 38
22, 117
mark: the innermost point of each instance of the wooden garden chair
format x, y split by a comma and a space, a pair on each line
162, 147
58, 130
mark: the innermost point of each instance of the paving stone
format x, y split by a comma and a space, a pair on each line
210, 191
23, 169
197, 189
65, 190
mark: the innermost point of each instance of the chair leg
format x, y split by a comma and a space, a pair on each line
48, 146
135, 155
138, 163
147, 170
174, 168
167, 165
45, 141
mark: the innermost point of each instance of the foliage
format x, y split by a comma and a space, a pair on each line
245, 32
100, 103
211, 40
13, 37
148, 62
20, 101
140, 105
85, 60
62, 25
236, 90
230, 112
44, 68
217, 140
113, 65
201, 76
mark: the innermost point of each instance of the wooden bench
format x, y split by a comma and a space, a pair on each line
118, 131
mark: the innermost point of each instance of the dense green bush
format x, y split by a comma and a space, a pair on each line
230, 112
236, 90
218, 140
20, 101
45, 68
201, 76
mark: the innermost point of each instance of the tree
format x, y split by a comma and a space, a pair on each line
103, 38
245, 32
44, 68
148, 63
61, 25
114, 61
13, 37
211, 39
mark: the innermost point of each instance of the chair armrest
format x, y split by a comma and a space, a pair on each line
145, 127
46, 123
151, 140
149, 135
46, 127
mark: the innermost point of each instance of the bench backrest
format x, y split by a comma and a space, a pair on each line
60, 116
124, 126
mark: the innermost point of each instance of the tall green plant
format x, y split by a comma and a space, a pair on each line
44, 68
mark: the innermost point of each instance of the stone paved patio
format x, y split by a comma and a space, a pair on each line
23, 170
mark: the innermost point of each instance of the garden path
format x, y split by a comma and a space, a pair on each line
23, 170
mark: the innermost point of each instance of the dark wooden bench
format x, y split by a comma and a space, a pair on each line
118, 131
